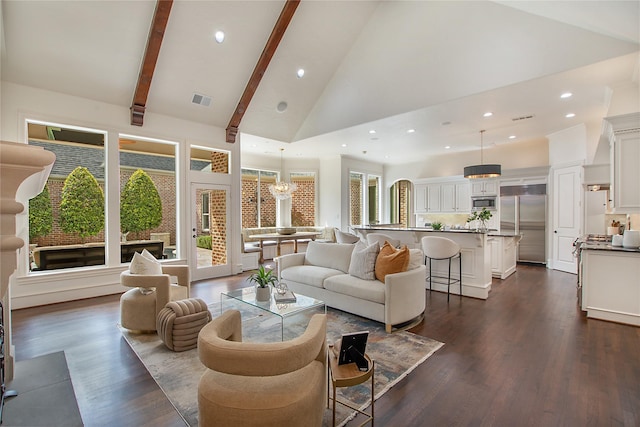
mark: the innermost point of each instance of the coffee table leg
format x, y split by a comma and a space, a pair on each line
373, 374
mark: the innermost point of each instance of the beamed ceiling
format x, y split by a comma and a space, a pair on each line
388, 66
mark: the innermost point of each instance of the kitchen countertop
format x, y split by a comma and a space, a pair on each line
490, 232
601, 246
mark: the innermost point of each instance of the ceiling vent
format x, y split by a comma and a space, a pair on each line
199, 99
517, 119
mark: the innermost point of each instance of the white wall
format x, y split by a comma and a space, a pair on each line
516, 155
329, 192
568, 146
21, 102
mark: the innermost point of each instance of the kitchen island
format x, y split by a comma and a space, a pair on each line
610, 282
475, 246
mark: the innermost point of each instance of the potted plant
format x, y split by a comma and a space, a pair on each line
263, 278
482, 217
437, 226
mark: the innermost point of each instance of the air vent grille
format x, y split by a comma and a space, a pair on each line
200, 99
517, 119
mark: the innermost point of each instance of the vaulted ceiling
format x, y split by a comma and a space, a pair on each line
389, 66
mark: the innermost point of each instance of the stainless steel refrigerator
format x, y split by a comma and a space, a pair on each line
523, 211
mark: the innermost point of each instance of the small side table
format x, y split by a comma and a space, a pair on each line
346, 376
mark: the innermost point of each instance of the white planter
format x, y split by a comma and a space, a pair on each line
263, 294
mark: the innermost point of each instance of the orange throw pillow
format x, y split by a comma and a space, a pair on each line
391, 260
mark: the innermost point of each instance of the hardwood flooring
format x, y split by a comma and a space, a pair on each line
525, 356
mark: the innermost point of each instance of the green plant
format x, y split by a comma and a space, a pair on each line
140, 204
436, 225
203, 242
483, 216
40, 214
263, 277
82, 204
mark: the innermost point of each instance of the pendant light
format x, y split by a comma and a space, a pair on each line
482, 170
282, 190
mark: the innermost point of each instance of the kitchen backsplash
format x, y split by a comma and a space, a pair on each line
634, 219
459, 220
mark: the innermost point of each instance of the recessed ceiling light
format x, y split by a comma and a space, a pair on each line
219, 36
566, 95
568, 116
446, 147
372, 131
300, 73
488, 114
447, 123
344, 145
281, 107
411, 131
512, 137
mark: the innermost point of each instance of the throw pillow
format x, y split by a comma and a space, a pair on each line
140, 264
391, 260
416, 258
363, 260
342, 237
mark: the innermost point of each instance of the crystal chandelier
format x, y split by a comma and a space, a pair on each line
282, 190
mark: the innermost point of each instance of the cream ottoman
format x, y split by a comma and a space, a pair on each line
179, 323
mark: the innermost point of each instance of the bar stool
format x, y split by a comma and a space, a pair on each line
441, 248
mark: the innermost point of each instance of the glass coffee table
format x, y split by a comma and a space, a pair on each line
283, 311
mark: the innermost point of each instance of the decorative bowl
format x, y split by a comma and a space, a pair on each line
285, 230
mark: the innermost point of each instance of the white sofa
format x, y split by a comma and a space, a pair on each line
322, 272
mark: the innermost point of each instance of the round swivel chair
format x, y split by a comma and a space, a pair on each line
441, 248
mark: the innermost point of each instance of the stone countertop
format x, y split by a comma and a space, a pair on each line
490, 232
596, 246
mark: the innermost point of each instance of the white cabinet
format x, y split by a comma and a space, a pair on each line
503, 255
484, 187
433, 198
624, 139
463, 199
421, 203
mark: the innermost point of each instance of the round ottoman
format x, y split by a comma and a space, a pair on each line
179, 323
138, 310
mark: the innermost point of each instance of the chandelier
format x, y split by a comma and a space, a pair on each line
282, 190
482, 170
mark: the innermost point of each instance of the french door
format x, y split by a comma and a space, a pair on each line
210, 226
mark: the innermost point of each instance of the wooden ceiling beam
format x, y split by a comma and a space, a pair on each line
154, 42
261, 67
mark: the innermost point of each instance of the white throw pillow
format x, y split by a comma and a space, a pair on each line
148, 255
363, 260
140, 264
416, 258
342, 237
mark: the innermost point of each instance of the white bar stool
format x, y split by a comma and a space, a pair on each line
441, 248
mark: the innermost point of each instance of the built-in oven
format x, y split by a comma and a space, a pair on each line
484, 202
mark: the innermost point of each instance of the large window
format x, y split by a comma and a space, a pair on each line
67, 221
303, 200
364, 200
70, 211
258, 205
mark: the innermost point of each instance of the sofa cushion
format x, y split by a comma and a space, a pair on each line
363, 260
369, 290
391, 260
342, 237
329, 255
416, 259
308, 274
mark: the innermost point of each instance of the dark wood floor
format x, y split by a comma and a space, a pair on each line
525, 356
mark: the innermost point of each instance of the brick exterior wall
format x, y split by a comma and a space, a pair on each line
355, 200
164, 182
249, 202
219, 162
303, 202
218, 227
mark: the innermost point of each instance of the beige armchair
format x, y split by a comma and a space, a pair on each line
261, 384
140, 306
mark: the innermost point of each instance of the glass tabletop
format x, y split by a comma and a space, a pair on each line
248, 295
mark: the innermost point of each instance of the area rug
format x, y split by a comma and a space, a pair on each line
395, 356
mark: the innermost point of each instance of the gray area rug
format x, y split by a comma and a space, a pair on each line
395, 356
45, 394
